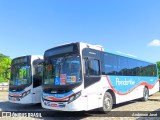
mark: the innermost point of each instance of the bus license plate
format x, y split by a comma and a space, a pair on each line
13, 99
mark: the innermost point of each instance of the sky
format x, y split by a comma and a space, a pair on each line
29, 27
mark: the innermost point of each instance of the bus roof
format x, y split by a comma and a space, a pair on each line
127, 55
40, 56
104, 50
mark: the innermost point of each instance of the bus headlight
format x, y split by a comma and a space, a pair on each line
71, 98
26, 93
77, 95
74, 96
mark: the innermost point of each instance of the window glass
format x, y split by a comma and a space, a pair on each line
94, 67
122, 66
146, 69
20, 75
110, 61
119, 65
151, 70
37, 78
62, 70
85, 63
154, 70
132, 67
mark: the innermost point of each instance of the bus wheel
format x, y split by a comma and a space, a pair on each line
145, 94
107, 103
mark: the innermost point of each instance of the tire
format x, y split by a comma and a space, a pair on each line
145, 94
107, 103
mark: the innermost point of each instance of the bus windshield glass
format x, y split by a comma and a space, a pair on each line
62, 70
20, 75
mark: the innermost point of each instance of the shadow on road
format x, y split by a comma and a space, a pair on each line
7, 106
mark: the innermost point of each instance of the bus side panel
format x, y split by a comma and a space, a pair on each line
37, 91
92, 93
119, 98
135, 93
102, 88
154, 89
131, 87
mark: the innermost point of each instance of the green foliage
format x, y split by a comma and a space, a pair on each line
158, 65
5, 63
3, 79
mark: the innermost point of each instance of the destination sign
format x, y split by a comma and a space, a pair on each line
24, 59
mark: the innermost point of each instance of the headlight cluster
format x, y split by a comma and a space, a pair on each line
26, 93
74, 96
44, 95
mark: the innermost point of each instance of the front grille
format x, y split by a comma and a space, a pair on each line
15, 89
54, 100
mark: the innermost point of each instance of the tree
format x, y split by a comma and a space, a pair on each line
158, 65
5, 63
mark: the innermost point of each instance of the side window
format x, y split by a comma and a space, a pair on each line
85, 63
94, 67
142, 68
154, 68
92, 71
150, 70
122, 66
132, 64
37, 78
110, 64
139, 69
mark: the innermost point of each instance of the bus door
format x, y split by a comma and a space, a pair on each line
91, 78
37, 82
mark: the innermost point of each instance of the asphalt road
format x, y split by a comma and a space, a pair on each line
131, 110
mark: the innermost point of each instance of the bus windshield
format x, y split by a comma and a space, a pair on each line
62, 70
20, 75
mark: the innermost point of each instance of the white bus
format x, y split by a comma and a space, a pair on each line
82, 77
26, 79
